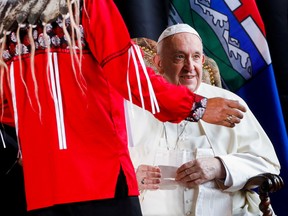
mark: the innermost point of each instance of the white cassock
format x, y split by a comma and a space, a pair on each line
245, 151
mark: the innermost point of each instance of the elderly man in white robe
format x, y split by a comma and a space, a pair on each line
195, 168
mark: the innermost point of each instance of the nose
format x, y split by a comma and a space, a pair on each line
189, 64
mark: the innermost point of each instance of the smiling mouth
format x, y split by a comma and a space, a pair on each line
187, 76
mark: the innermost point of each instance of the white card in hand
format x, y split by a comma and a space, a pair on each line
168, 174
168, 171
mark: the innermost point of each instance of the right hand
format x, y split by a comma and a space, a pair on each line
218, 109
148, 177
200, 170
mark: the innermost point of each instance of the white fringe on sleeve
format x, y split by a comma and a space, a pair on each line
135, 53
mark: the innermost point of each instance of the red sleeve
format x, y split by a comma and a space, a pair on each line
105, 30
109, 41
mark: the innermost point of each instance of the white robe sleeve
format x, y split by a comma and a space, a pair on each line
245, 150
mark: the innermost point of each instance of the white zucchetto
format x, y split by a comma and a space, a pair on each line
178, 28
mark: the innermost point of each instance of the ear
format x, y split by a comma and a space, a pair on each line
203, 59
157, 62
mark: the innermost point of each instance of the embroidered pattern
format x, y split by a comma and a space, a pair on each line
55, 39
198, 109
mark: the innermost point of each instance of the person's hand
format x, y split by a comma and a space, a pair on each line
199, 171
148, 177
224, 112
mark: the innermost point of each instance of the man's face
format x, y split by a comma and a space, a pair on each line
180, 60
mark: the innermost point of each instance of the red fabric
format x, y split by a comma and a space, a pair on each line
108, 33
94, 120
6, 110
95, 132
6, 113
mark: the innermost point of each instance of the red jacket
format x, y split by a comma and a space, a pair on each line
82, 113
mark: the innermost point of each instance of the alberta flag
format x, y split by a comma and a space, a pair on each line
233, 35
